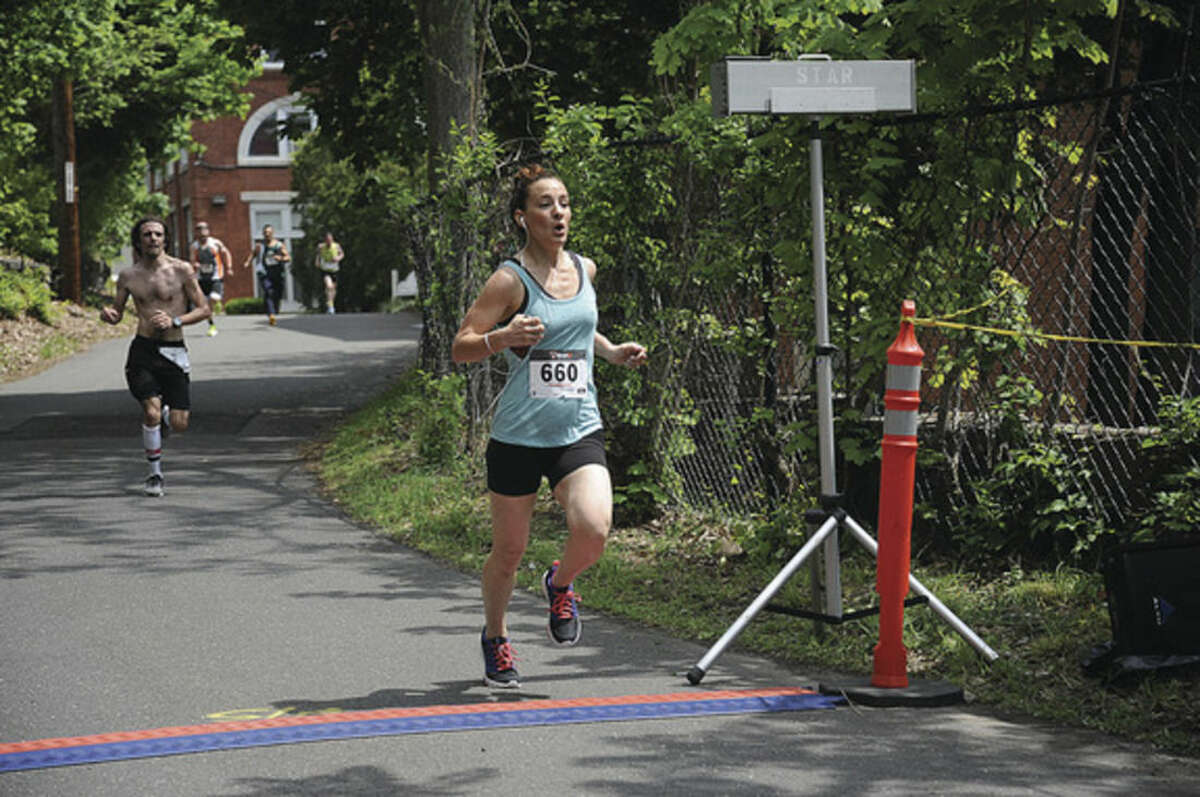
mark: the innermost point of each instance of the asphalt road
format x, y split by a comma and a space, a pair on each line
243, 595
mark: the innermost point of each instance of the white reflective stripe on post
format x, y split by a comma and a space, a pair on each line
904, 377
899, 423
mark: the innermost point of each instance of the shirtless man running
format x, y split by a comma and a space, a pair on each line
157, 367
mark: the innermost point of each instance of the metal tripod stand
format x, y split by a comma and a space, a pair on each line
834, 515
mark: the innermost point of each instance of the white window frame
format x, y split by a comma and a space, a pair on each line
278, 108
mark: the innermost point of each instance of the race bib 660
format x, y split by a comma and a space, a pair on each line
558, 374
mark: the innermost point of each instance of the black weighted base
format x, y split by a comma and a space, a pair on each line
918, 693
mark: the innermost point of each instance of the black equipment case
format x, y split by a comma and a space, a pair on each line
1154, 598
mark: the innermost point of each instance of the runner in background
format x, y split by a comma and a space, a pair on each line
329, 261
211, 259
270, 256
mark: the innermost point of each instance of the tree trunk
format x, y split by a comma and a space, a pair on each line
68, 195
451, 74
452, 96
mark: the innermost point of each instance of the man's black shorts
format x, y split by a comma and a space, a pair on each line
518, 470
148, 373
210, 286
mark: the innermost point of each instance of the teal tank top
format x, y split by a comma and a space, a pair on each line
549, 398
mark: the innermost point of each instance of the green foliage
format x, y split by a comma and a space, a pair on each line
703, 240
1179, 426
57, 345
361, 208
358, 63
427, 415
374, 468
1031, 501
1174, 509
717, 213
456, 239
1172, 473
437, 428
639, 495
915, 209
1034, 501
247, 305
26, 291
142, 71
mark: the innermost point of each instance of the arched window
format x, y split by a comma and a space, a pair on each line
264, 139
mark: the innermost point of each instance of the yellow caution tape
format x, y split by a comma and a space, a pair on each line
941, 322
980, 306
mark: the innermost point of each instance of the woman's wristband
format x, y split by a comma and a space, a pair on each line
487, 343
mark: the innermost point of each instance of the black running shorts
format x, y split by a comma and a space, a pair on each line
518, 470
149, 374
212, 288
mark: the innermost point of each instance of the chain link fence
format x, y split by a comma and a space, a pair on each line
1110, 270
1034, 375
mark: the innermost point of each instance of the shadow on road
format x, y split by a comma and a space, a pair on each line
348, 327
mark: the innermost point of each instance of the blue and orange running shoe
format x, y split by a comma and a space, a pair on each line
564, 626
499, 669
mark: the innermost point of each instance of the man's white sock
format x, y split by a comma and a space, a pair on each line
152, 442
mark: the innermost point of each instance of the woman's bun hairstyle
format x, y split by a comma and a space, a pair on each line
526, 176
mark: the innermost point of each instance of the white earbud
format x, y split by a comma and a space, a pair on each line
521, 222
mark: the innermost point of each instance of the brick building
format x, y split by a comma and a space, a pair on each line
240, 182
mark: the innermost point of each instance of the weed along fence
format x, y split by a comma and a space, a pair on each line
1047, 244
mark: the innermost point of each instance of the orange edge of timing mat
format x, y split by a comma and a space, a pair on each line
389, 713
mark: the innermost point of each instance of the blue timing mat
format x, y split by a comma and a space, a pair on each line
47, 753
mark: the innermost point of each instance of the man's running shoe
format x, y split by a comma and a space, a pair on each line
154, 486
564, 626
212, 330
271, 319
499, 670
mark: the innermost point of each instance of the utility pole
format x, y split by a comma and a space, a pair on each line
68, 189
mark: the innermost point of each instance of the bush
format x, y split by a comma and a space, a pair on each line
26, 291
246, 306
429, 413
1030, 503
1170, 483
439, 428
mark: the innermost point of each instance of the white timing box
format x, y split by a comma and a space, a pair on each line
812, 86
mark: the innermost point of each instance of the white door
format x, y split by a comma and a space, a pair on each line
287, 229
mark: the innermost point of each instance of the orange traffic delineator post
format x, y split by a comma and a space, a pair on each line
889, 684
897, 474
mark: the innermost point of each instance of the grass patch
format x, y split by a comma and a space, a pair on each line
32, 342
57, 345
681, 574
373, 469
